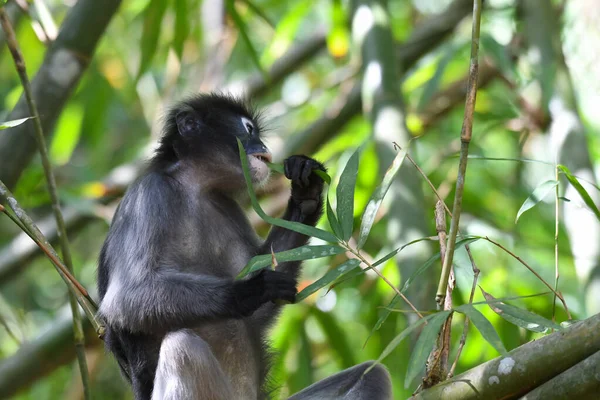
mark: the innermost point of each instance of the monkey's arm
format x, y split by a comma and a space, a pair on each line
170, 299
305, 206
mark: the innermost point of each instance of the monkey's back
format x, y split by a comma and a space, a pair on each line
159, 225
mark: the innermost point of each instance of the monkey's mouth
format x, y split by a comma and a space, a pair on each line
264, 157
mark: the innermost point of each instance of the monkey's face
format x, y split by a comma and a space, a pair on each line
208, 136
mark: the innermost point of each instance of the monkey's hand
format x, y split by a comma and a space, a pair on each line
306, 185
262, 286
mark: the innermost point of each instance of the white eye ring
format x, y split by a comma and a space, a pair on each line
248, 125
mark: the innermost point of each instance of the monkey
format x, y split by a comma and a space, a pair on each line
177, 321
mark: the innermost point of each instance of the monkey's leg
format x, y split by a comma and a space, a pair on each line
350, 384
188, 370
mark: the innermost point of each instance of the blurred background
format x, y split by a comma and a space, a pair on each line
106, 72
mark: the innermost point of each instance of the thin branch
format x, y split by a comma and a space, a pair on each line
29, 227
465, 138
556, 292
394, 288
13, 45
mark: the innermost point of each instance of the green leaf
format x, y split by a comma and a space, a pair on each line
345, 196
329, 277
538, 195
279, 168
68, 132
259, 12
483, 326
182, 26
276, 167
286, 30
153, 17
336, 337
297, 254
432, 260
401, 336
326, 178
433, 84
424, 345
397, 299
243, 30
293, 226
519, 317
499, 54
333, 221
338, 37
13, 123
376, 199
581, 190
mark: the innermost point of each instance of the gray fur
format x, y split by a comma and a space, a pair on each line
178, 322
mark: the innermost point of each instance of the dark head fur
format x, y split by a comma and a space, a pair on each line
219, 115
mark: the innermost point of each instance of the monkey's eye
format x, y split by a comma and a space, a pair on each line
248, 125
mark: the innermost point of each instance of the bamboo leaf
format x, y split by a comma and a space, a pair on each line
330, 276
376, 199
297, 254
333, 221
424, 345
243, 30
345, 196
433, 84
538, 195
397, 299
483, 326
581, 190
13, 123
336, 336
518, 316
153, 16
293, 226
401, 336
182, 26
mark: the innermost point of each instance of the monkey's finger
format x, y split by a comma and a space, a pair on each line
286, 168
307, 170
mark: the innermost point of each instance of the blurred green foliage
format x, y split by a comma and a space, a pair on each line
157, 51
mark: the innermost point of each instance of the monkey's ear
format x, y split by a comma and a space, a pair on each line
188, 123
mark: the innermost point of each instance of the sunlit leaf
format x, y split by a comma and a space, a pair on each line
434, 83
376, 199
259, 12
243, 31
424, 345
483, 326
520, 317
297, 254
153, 17
336, 337
68, 132
338, 38
345, 196
182, 25
293, 226
13, 123
286, 30
329, 277
538, 195
581, 190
